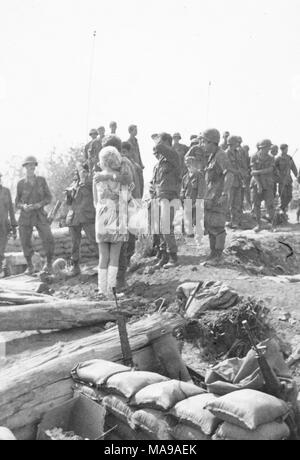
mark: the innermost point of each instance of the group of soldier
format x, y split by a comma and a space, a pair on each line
221, 173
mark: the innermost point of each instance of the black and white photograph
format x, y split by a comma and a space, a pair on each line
149, 222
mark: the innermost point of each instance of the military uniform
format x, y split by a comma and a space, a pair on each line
7, 220
166, 185
215, 207
284, 166
34, 192
181, 151
237, 187
81, 216
261, 161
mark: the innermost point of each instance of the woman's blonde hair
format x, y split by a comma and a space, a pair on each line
109, 157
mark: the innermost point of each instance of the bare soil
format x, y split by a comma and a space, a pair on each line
253, 266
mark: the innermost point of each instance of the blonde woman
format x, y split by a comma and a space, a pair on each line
109, 233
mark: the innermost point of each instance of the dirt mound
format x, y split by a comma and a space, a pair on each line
271, 254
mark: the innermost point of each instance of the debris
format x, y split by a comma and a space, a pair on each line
197, 298
284, 317
294, 357
57, 434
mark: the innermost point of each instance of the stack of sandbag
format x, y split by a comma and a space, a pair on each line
191, 420
211, 295
6, 434
250, 415
145, 405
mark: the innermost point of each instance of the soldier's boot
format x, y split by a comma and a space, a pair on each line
30, 268
173, 261
75, 271
47, 268
163, 261
212, 244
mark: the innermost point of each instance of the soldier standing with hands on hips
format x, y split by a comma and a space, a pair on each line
32, 195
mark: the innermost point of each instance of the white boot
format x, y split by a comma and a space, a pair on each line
102, 281
111, 280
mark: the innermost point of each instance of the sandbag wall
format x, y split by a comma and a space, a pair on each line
63, 245
147, 406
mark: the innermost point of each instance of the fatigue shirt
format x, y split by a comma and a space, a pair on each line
181, 150
216, 180
284, 166
167, 175
6, 209
33, 193
235, 160
259, 162
193, 186
82, 204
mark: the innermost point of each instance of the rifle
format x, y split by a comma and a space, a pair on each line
125, 345
273, 386
53, 212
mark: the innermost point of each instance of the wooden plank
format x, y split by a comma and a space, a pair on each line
44, 382
55, 315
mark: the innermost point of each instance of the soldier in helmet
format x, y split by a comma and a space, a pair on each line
92, 149
285, 166
81, 215
235, 160
93, 135
246, 166
7, 221
32, 195
262, 182
216, 198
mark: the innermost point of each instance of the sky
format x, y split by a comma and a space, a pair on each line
152, 65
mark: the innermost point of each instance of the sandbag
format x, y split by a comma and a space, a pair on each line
6, 434
152, 422
128, 384
122, 430
183, 432
248, 408
164, 395
273, 431
96, 371
192, 411
117, 405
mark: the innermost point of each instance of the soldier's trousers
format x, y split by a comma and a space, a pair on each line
214, 224
75, 231
45, 234
267, 196
127, 251
3, 241
168, 242
286, 195
236, 205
